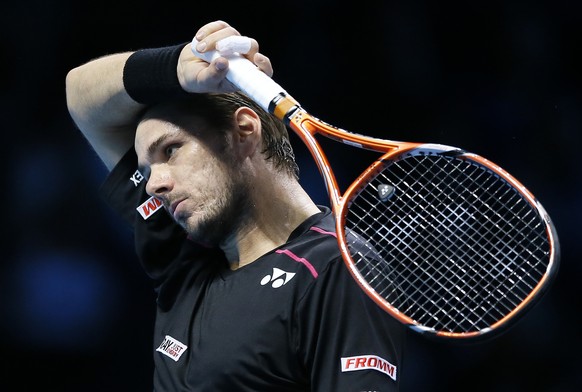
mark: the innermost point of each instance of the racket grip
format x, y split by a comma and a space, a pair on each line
246, 76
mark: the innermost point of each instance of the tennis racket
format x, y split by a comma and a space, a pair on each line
444, 240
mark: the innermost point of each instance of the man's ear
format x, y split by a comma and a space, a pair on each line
248, 131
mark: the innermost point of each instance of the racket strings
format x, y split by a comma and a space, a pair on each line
456, 248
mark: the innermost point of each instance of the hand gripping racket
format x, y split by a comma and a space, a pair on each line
442, 239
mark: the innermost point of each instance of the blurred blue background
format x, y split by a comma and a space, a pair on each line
498, 78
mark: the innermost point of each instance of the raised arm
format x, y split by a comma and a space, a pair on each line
106, 95
101, 108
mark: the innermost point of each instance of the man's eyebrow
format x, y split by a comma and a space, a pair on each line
156, 145
151, 150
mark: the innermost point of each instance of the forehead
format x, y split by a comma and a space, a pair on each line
164, 118
170, 119
151, 130
155, 132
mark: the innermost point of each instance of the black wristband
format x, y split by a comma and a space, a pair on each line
150, 76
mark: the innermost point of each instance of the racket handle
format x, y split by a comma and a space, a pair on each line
246, 76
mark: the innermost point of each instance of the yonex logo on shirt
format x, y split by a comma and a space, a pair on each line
364, 362
172, 348
278, 278
136, 178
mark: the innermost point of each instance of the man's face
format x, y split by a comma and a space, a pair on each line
195, 176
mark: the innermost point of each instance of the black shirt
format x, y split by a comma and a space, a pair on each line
292, 320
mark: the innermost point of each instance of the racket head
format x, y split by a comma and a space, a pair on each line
446, 241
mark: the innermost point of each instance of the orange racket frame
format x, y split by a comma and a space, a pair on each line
273, 98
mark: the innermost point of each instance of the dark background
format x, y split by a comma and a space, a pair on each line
498, 78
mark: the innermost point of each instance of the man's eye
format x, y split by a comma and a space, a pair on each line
171, 149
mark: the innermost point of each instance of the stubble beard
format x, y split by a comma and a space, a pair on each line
225, 217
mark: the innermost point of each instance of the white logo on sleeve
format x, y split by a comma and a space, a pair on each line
278, 278
172, 348
136, 178
364, 362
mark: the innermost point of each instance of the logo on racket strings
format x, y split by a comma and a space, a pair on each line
385, 192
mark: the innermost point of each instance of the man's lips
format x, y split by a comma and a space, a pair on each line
174, 206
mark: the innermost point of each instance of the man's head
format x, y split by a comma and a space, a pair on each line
202, 155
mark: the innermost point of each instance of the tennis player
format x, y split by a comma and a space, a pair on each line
252, 293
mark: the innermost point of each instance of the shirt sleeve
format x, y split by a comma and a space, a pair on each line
160, 243
350, 344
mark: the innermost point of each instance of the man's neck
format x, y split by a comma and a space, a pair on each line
279, 212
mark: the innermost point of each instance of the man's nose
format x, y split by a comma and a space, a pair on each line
160, 182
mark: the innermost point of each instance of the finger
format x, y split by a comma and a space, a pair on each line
263, 63
234, 44
211, 37
210, 28
213, 78
246, 46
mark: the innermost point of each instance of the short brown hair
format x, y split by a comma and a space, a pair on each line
217, 111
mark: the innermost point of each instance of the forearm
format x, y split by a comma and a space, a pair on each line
105, 96
101, 107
